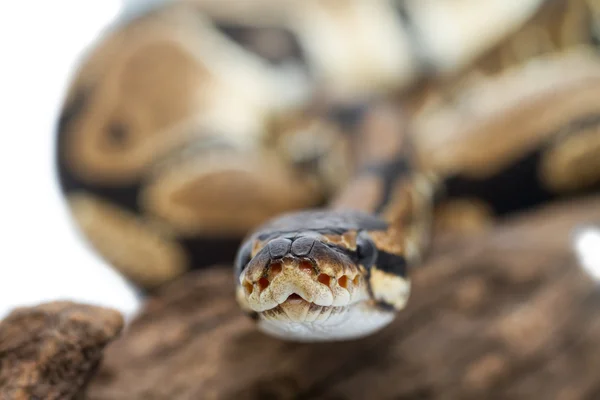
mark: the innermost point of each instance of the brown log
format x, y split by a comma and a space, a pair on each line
507, 314
51, 351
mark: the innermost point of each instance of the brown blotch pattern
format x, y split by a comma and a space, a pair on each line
226, 193
482, 145
149, 85
573, 163
134, 246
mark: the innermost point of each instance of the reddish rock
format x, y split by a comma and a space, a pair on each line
51, 351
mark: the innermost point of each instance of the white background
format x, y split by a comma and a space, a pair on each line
41, 256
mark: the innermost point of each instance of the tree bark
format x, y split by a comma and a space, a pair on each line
506, 314
51, 351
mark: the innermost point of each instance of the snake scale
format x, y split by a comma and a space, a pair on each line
322, 142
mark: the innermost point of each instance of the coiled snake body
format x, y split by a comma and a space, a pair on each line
325, 134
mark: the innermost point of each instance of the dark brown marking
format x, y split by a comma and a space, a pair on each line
117, 134
391, 263
324, 279
275, 268
343, 281
263, 283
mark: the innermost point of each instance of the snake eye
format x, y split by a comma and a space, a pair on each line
365, 250
243, 257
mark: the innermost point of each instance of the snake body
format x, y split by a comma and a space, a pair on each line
323, 142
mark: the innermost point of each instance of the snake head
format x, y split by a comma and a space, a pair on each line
314, 275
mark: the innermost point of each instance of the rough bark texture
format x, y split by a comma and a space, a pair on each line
508, 314
51, 351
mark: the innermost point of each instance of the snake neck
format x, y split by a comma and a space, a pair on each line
389, 183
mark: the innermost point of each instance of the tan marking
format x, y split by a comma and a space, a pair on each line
388, 241
134, 246
500, 127
168, 79
347, 240
354, 46
256, 247
389, 288
226, 194
454, 34
148, 87
485, 372
463, 216
556, 26
324, 279
573, 163
275, 268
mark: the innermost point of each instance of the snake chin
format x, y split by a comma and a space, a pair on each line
297, 309
302, 321
297, 319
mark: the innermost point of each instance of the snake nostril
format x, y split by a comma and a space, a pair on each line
324, 279
343, 281
263, 283
306, 266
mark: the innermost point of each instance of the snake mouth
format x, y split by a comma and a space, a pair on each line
296, 289
302, 306
296, 309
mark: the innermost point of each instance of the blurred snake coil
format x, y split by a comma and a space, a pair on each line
318, 145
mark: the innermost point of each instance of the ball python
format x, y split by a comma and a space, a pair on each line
319, 144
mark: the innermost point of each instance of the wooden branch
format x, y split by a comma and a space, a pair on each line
51, 351
507, 314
